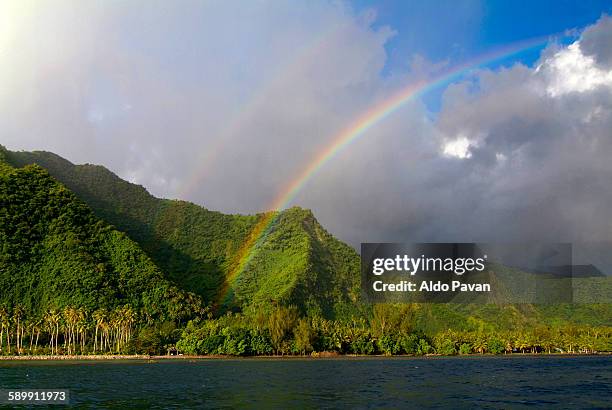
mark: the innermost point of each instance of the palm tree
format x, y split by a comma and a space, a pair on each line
36, 328
99, 317
17, 315
70, 317
480, 344
114, 326
4, 324
129, 318
7, 323
509, 342
547, 344
105, 338
82, 327
52, 320
522, 342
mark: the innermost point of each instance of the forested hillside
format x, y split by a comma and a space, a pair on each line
297, 263
55, 252
63, 265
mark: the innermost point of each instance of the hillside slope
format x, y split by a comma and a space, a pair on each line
55, 252
297, 263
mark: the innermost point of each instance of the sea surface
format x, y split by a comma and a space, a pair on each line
457, 382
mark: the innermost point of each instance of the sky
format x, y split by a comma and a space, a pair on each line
225, 103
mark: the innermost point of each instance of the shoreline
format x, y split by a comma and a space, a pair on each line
90, 358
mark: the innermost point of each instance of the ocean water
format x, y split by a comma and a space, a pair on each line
458, 382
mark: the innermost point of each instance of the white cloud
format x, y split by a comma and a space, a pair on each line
569, 70
541, 162
459, 148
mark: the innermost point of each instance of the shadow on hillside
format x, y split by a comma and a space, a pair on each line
198, 276
194, 275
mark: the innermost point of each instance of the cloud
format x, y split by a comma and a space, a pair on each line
224, 103
459, 147
570, 70
596, 40
539, 140
517, 153
235, 96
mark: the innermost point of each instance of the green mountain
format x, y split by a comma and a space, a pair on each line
79, 240
54, 252
298, 262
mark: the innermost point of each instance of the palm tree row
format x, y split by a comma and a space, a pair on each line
70, 330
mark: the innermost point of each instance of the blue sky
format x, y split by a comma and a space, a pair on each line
458, 30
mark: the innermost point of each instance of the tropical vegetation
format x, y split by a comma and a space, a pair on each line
91, 264
282, 331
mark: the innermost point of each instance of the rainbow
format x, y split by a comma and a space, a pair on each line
350, 134
241, 114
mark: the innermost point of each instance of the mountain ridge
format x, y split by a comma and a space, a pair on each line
296, 263
55, 252
196, 246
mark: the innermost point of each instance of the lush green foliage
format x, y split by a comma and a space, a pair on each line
297, 263
190, 244
55, 252
300, 263
69, 281
390, 330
